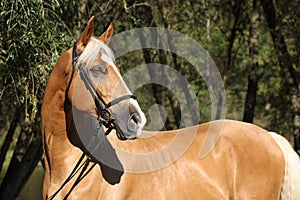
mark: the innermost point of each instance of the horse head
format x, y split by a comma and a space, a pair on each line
96, 87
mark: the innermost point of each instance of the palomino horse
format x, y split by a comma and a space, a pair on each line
246, 162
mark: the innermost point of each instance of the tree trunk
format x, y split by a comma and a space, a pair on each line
8, 139
156, 90
291, 77
190, 107
250, 101
237, 15
22, 164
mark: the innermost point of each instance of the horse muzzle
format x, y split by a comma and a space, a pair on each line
130, 128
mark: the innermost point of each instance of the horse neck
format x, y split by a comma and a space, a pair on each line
53, 108
58, 148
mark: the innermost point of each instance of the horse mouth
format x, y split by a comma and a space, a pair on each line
122, 135
133, 128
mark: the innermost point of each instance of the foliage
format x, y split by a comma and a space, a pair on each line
32, 35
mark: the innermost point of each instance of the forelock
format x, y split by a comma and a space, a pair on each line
92, 50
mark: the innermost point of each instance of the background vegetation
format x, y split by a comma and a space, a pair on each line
254, 43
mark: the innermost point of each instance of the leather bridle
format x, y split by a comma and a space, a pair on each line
105, 117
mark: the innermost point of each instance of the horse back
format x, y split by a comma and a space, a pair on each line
245, 163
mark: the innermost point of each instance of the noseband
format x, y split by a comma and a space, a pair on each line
105, 116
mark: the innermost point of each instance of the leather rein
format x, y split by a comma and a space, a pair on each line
105, 118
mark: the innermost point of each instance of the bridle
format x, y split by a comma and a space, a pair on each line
105, 118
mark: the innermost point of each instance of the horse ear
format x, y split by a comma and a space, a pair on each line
106, 36
86, 35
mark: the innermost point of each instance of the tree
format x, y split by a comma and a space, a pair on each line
250, 101
288, 70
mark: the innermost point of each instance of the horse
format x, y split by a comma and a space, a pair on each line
83, 161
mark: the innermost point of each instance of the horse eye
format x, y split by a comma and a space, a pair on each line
98, 69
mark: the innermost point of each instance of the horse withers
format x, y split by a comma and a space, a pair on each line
86, 98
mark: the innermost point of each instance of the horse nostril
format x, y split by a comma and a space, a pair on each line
133, 122
136, 117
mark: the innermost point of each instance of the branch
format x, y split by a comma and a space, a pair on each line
127, 8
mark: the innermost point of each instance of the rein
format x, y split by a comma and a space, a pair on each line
105, 118
76, 169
